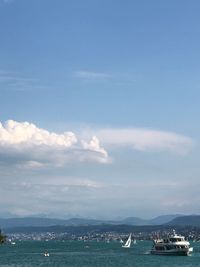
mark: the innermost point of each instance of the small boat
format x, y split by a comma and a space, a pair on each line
172, 245
11, 241
46, 254
128, 242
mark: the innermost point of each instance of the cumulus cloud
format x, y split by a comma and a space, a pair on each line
145, 139
24, 142
16, 133
94, 145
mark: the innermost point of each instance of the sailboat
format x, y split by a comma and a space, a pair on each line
128, 242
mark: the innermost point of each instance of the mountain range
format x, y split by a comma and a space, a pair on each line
45, 222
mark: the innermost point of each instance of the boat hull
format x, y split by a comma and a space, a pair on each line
172, 252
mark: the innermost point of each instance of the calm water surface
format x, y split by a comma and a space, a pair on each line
90, 254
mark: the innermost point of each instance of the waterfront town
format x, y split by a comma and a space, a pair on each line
192, 234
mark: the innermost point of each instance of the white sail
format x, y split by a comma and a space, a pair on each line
128, 242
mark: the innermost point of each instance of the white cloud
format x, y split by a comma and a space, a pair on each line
90, 75
25, 145
24, 142
15, 133
144, 139
94, 145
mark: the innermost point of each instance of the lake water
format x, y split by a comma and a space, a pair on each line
90, 254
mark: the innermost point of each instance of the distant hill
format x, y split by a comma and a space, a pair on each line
80, 225
30, 221
163, 219
46, 222
155, 221
192, 220
81, 221
134, 221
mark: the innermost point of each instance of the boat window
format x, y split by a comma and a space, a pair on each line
176, 239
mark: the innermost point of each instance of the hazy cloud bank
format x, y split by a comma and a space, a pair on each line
144, 139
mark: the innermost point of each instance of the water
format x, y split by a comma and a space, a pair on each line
90, 254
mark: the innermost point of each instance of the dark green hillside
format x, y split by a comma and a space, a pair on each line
190, 220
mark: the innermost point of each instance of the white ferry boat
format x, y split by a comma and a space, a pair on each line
172, 245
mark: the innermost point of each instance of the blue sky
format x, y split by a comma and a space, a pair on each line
99, 105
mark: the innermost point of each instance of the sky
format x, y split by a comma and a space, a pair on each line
99, 108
